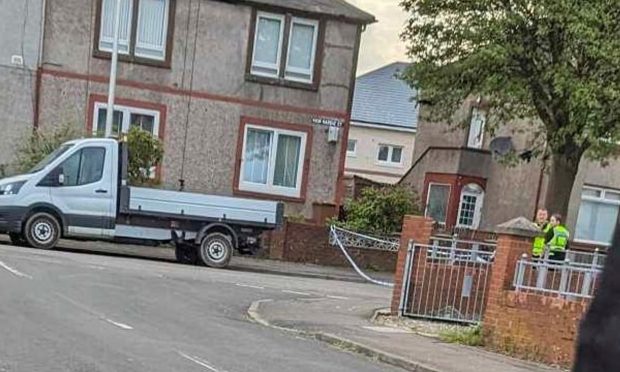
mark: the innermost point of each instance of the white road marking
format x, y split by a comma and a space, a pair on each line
200, 362
14, 271
337, 297
297, 293
249, 286
119, 325
94, 313
386, 329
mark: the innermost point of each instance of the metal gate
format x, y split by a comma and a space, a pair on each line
447, 280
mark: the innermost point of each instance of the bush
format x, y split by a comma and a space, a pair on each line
38, 144
380, 211
145, 152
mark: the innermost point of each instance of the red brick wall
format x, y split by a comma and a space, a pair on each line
417, 229
534, 326
305, 243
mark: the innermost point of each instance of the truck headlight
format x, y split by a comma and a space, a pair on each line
11, 188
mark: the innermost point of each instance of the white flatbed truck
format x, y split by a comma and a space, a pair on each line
81, 191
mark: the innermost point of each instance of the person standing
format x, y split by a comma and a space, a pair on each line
557, 238
538, 249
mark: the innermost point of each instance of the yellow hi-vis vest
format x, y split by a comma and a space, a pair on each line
539, 242
560, 239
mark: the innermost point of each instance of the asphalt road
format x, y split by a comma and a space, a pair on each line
83, 312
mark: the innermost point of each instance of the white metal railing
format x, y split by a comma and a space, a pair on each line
566, 279
351, 239
457, 250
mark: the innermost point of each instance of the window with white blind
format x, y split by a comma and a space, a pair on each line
144, 28
598, 214
272, 161
294, 61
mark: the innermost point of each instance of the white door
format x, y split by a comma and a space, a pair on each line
84, 192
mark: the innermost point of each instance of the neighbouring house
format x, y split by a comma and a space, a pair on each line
463, 185
251, 98
383, 126
20, 35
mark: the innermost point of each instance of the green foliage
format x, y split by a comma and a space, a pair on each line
470, 336
145, 152
38, 144
554, 62
380, 210
296, 218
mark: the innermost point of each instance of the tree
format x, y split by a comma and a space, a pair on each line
145, 152
380, 210
38, 144
554, 61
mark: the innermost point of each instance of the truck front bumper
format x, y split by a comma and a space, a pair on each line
11, 219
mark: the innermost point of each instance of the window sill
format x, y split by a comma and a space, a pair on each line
131, 59
281, 82
389, 165
274, 197
592, 242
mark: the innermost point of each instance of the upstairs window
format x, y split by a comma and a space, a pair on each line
144, 29
390, 155
284, 47
476, 129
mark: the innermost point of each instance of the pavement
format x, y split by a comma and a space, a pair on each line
347, 324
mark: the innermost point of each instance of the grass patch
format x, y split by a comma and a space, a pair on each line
470, 336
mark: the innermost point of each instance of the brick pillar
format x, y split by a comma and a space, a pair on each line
418, 229
514, 238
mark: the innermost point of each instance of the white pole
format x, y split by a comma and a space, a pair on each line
112, 88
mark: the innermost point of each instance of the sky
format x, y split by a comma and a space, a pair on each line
381, 43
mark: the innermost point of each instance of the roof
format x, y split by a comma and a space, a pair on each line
382, 98
332, 8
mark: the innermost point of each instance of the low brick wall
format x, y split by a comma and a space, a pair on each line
534, 326
305, 243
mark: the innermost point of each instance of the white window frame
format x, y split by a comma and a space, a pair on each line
389, 162
354, 152
475, 113
133, 26
270, 188
602, 200
295, 70
153, 47
271, 16
428, 198
477, 209
103, 39
127, 111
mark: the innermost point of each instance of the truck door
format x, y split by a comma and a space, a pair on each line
84, 192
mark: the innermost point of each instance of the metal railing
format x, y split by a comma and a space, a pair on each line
351, 239
458, 250
446, 283
574, 278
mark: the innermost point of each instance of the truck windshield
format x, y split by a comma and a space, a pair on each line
50, 158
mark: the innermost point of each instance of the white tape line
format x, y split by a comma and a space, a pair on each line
296, 293
249, 286
200, 362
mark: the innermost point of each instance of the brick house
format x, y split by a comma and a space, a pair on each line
383, 126
463, 185
239, 91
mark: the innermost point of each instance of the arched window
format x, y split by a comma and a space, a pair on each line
470, 207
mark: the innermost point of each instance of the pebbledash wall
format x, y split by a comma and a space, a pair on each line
308, 243
204, 95
526, 325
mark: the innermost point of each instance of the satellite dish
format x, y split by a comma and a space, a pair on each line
501, 146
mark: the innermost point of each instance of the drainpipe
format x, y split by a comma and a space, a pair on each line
37, 87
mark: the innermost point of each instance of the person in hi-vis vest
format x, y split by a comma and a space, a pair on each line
538, 249
557, 238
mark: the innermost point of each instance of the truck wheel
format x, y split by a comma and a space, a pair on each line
42, 231
17, 239
216, 250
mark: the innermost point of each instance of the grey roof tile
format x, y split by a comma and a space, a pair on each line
382, 98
